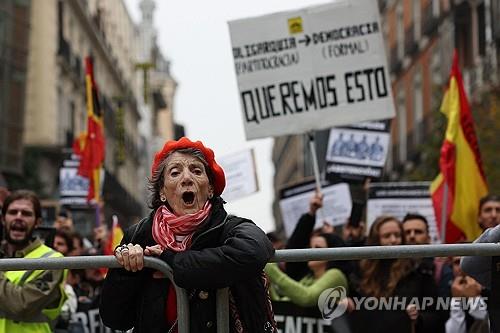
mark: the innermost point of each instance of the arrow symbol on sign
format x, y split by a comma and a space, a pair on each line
306, 40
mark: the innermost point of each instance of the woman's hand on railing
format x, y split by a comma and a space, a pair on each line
130, 256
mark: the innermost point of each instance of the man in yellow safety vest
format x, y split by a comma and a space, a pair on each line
29, 300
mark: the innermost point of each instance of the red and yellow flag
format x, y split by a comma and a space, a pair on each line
91, 146
115, 237
460, 165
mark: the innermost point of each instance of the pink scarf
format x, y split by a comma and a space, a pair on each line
175, 232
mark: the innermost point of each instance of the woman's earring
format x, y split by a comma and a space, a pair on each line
162, 198
210, 195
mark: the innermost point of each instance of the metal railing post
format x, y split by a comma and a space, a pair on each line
223, 310
494, 297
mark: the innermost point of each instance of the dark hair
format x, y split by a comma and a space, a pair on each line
63, 213
273, 237
23, 194
157, 181
488, 198
78, 236
334, 241
67, 236
416, 216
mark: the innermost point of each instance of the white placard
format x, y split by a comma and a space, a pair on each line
311, 69
241, 175
337, 205
399, 199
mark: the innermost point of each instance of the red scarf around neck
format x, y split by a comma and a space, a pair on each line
175, 232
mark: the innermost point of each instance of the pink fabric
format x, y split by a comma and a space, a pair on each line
167, 227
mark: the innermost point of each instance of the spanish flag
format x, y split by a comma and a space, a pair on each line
460, 166
115, 237
91, 145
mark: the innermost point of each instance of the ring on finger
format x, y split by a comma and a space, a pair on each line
124, 248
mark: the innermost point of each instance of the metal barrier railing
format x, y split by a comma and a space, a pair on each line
347, 253
20, 264
388, 252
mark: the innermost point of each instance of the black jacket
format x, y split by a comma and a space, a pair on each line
418, 284
227, 251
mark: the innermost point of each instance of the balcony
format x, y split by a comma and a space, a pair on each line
429, 21
411, 46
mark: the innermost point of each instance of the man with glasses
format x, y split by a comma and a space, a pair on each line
29, 300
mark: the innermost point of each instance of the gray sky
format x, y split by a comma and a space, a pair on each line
194, 35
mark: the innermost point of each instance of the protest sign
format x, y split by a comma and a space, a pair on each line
241, 175
357, 151
398, 199
73, 188
311, 69
294, 202
292, 318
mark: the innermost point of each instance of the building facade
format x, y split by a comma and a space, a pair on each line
420, 38
63, 33
14, 46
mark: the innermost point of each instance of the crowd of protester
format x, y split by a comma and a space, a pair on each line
302, 282
415, 278
82, 285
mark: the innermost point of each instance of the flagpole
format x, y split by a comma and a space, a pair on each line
97, 215
444, 211
314, 156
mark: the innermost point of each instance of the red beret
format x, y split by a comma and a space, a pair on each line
218, 173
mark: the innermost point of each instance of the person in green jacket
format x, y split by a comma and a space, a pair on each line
323, 275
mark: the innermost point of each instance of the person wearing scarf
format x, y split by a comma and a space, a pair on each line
207, 249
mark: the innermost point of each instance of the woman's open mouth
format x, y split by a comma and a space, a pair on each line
188, 197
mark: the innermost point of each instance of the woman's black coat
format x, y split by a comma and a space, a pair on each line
227, 251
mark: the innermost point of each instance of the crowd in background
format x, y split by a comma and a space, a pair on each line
303, 283
82, 285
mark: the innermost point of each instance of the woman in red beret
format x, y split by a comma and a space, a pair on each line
207, 249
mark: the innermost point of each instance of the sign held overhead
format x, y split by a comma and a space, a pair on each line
311, 69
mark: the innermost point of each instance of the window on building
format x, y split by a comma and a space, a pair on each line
417, 13
463, 34
71, 133
402, 130
400, 31
435, 67
435, 8
418, 108
481, 26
